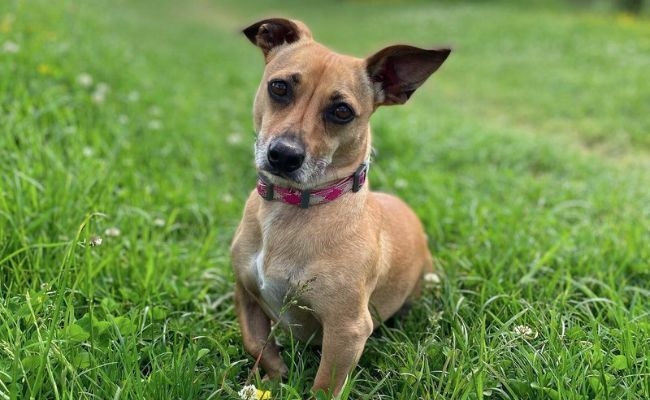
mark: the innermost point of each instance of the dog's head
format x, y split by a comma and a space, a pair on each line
312, 108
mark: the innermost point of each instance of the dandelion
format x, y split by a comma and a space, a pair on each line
95, 241
626, 19
45, 69
525, 332
85, 80
10, 47
6, 23
113, 232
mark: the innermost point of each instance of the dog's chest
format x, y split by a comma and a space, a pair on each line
271, 284
282, 286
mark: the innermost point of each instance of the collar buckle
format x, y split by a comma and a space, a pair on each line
359, 177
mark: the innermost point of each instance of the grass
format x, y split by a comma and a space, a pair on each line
527, 156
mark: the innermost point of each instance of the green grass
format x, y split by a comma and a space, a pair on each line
527, 156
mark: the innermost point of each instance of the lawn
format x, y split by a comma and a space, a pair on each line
126, 156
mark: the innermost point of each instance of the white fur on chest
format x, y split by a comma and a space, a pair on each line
272, 290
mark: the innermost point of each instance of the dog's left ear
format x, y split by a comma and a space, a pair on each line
397, 71
270, 33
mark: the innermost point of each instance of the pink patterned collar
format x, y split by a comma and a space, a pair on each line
306, 198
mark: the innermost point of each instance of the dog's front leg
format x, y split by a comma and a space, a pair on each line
343, 342
255, 329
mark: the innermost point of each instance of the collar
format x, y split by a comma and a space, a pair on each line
306, 198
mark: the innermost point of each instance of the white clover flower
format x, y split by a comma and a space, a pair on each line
227, 198
234, 138
431, 277
155, 125
123, 119
95, 241
10, 47
103, 87
98, 97
159, 222
113, 232
248, 392
525, 332
155, 111
88, 151
401, 183
85, 80
133, 96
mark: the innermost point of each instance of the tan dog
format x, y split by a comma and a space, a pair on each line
312, 232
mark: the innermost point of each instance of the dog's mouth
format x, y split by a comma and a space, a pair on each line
293, 177
308, 176
284, 168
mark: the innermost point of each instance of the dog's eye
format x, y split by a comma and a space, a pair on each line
341, 113
279, 90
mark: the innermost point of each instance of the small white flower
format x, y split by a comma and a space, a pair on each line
525, 332
95, 241
98, 97
88, 151
234, 138
155, 111
159, 222
432, 277
112, 232
10, 47
227, 198
155, 125
401, 183
123, 119
85, 80
133, 96
103, 87
248, 392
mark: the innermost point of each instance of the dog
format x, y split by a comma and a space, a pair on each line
316, 251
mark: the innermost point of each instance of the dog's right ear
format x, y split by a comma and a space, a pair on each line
271, 33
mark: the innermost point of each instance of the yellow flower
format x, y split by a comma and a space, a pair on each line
45, 69
6, 23
262, 394
626, 19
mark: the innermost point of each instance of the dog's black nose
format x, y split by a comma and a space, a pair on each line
286, 154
